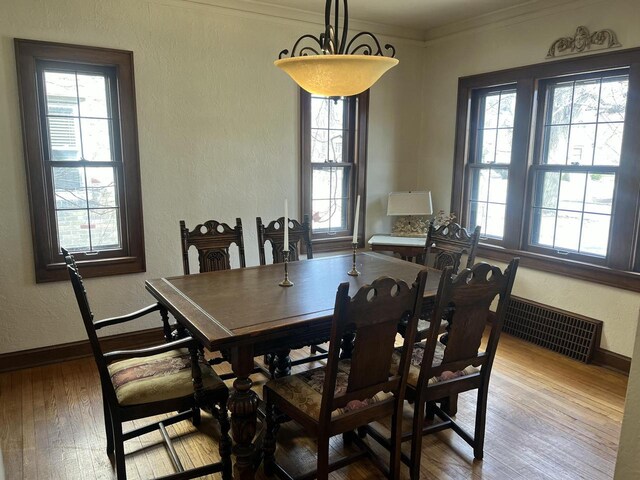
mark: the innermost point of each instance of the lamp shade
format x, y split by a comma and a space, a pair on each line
409, 203
336, 75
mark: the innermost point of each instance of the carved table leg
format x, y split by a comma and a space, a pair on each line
346, 347
166, 328
282, 363
243, 405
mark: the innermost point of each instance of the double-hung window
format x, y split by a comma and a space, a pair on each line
80, 137
489, 170
548, 164
577, 164
333, 156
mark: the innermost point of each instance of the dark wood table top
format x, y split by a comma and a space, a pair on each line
233, 307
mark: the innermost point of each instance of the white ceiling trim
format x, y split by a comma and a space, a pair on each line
499, 18
253, 8
504, 17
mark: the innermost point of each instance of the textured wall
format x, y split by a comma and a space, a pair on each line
218, 127
508, 44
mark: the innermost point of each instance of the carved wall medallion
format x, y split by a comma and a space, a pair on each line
583, 40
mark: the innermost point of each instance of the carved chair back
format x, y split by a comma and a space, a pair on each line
446, 245
468, 297
274, 234
372, 315
87, 319
212, 240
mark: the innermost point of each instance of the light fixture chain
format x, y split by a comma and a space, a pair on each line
330, 43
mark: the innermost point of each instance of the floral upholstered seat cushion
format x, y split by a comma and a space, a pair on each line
416, 361
159, 377
304, 391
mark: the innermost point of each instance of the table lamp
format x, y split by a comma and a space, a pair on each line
412, 208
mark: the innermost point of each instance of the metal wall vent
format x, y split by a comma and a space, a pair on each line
564, 332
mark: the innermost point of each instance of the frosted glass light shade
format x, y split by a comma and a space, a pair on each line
409, 203
336, 75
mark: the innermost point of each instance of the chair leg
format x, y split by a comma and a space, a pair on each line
481, 418
269, 443
195, 419
121, 469
429, 411
450, 404
416, 439
225, 442
396, 443
108, 426
348, 436
323, 457
267, 360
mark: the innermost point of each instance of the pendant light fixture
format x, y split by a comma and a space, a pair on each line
332, 66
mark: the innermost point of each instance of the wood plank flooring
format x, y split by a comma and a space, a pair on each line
548, 418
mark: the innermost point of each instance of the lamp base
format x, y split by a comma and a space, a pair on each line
410, 226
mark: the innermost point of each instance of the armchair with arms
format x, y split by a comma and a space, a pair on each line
139, 383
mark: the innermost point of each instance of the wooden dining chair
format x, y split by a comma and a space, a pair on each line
439, 371
445, 246
172, 377
212, 240
299, 235
350, 392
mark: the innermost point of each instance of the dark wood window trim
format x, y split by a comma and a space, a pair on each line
623, 262
357, 150
49, 264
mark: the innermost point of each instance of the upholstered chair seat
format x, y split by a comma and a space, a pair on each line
304, 391
416, 362
159, 377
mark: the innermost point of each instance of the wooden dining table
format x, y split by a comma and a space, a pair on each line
246, 313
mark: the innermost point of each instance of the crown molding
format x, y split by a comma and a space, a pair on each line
504, 17
263, 9
500, 18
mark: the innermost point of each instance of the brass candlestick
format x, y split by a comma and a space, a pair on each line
286, 282
354, 271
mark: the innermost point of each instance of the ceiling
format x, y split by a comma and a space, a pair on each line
419, 15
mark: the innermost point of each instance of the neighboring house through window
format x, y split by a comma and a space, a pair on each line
333, 166
80, 136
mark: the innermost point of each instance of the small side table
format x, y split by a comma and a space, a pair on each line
409, 248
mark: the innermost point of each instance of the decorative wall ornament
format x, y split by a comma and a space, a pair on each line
583, 40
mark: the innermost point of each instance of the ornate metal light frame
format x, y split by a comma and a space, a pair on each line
332, 65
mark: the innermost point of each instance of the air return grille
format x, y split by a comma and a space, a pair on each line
564, 332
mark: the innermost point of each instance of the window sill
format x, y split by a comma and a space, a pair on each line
334, 244
570, 268
56, 272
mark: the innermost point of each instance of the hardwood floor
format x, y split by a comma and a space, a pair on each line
548, 418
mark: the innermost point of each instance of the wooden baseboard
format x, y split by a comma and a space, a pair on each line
36, 357
615, 361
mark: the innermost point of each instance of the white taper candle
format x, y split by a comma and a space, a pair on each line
286, 225
356, 221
